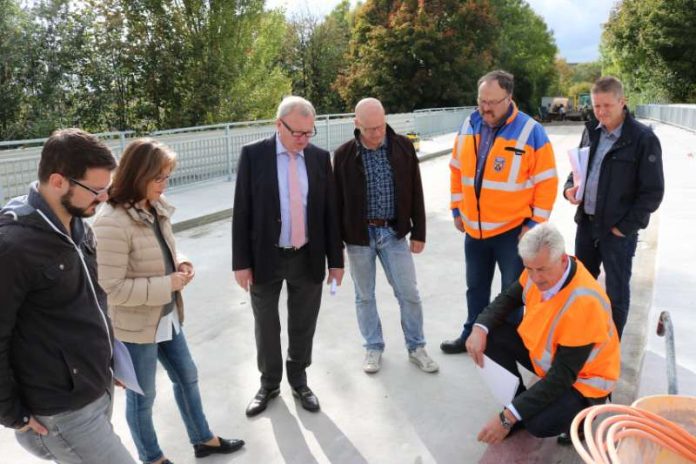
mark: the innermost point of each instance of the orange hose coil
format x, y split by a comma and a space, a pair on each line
627, 421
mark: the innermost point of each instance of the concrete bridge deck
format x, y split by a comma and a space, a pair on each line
402, 415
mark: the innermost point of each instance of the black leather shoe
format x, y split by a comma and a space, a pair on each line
453, 346
308, 399
226, 447
260, 401
564, 438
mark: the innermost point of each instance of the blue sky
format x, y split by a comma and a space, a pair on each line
576, 24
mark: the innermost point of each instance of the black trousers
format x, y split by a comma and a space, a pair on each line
616, 255
304, 300
505, 347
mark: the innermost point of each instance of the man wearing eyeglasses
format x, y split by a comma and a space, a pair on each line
285, 229
503, 181
380, 201
56, 341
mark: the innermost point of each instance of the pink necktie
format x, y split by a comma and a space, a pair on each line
297, 223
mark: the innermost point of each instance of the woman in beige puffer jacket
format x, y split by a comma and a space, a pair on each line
143, 276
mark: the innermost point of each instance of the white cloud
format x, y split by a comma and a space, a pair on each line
576, 25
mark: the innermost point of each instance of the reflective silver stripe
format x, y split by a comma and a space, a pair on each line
598, 382
454, 162
506, 186
525, 133
544, 175
484, 225
521, 143
465, 126
457, 197
545, 361
467, 180
544, 213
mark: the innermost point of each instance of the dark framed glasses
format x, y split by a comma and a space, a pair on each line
299, 134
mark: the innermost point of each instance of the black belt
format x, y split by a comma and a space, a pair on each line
291, 250
380, 222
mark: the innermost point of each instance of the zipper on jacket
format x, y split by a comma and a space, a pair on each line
89, 279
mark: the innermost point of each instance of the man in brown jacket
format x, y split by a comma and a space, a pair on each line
380, 201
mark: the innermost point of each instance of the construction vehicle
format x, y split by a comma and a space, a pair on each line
575, 108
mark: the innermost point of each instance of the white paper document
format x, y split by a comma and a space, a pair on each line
124, 371
579, 158
502, 383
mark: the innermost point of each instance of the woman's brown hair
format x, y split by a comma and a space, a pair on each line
142, 161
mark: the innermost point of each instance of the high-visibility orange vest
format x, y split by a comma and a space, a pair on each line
578, 315
519, 178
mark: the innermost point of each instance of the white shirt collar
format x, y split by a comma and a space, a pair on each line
550, 293
281, 150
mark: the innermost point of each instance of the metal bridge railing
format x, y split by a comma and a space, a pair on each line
683, 116
208, 153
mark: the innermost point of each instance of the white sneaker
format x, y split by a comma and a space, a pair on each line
421, 359
373, 361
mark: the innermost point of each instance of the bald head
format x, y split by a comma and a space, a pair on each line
371, 122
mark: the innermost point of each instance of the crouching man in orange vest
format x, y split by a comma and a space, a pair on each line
567, 337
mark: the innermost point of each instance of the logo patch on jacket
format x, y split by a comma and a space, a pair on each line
498, 163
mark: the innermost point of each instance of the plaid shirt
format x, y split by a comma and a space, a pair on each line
381, 197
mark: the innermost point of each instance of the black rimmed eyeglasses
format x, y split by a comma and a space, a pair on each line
94, 192
298, 134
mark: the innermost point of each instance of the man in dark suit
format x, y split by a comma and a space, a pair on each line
285, 228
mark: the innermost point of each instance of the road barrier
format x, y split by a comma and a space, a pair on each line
207, 153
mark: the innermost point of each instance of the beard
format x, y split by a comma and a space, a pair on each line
76, 211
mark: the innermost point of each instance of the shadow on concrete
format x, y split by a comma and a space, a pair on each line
334, 443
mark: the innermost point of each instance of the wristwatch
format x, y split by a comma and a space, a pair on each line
507, 425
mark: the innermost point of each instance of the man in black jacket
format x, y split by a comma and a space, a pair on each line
285, 228
380, 201
56, 341
624, 185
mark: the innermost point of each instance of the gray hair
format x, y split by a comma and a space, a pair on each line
505, 80
608, 84
541, 236
295, 103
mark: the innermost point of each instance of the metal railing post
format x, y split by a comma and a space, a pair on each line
228, 152
328, 133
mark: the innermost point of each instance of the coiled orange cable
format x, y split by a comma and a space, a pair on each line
627, 421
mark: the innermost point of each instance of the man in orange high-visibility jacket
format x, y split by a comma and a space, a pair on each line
567, 337
503, 182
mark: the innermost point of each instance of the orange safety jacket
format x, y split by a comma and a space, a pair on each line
519, 177
578, 315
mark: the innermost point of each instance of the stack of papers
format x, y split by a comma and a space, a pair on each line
579, 158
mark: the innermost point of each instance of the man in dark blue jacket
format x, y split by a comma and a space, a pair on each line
624, 185
56, 340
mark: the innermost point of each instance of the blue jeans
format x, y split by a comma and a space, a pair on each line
176, 359
481, 256
397, 262
616, 255
77, 437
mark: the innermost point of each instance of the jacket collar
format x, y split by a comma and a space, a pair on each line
388, 138
162, 208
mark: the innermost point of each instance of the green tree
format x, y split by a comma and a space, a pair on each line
526, 48
314, 55
648, 45
12, 68
417, 54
